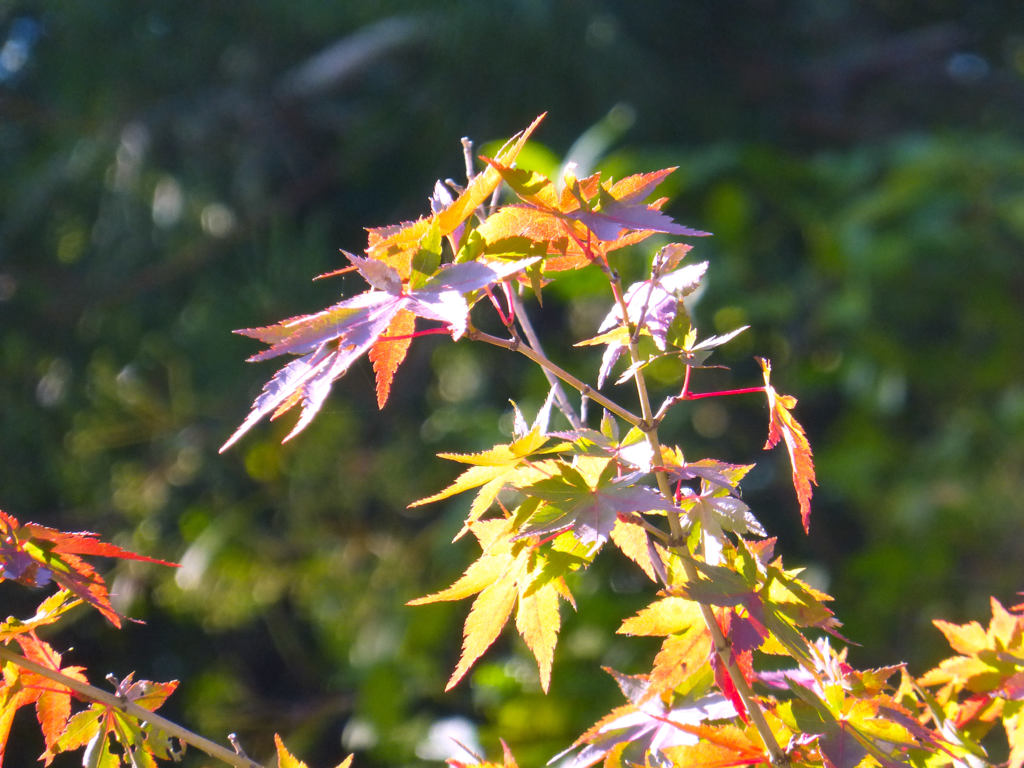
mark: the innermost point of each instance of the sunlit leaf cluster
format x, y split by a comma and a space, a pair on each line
750, 668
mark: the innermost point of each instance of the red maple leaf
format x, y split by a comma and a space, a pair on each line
784, 427
34, 555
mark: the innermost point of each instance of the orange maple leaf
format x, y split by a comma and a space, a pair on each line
389, 351
22, 687
720, 746
783, 426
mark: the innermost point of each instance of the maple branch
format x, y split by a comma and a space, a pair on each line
651, 528
98, 695
678, 542
561, 399
515, 345
467, 157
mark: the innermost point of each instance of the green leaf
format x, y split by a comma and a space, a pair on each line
590, 506
427, 258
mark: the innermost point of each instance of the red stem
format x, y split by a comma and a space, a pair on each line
505, 320
722, 393
507, 289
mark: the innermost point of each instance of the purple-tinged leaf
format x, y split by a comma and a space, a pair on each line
310, 377
331, 340
651, 305
685, 280
617, 216
448, 307
715, 472
716, 341
716, 505
645, 726
654, 304
474, 275
591, 512
305, 333
377, 273
611, 355
18, 565
441, 199
441, 298
318, 386
280, 387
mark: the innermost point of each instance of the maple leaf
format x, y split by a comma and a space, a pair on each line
719, 746
633, 452
330, 341
99, 726
508, 575
849, 714
687, 647
53, 701
528, 227
492, 470
49, 611
847, 728
590, 503
990, 666
553, 220
286, 759
389, 351
651, 306
641, 732
716, 504
782, 426
613, 215
636, 544
21, 687
682, 658
768, 604
34, 554
665, 616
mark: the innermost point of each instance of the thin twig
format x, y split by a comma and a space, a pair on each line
467, 156
561, 400
526, 350
92, 693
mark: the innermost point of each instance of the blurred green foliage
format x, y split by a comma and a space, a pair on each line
173, 170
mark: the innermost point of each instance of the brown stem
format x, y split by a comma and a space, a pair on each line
531, 335
92, 693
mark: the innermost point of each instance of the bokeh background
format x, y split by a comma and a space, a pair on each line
172, 170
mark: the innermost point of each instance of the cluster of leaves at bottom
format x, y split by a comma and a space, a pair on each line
686, 711
112, 729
